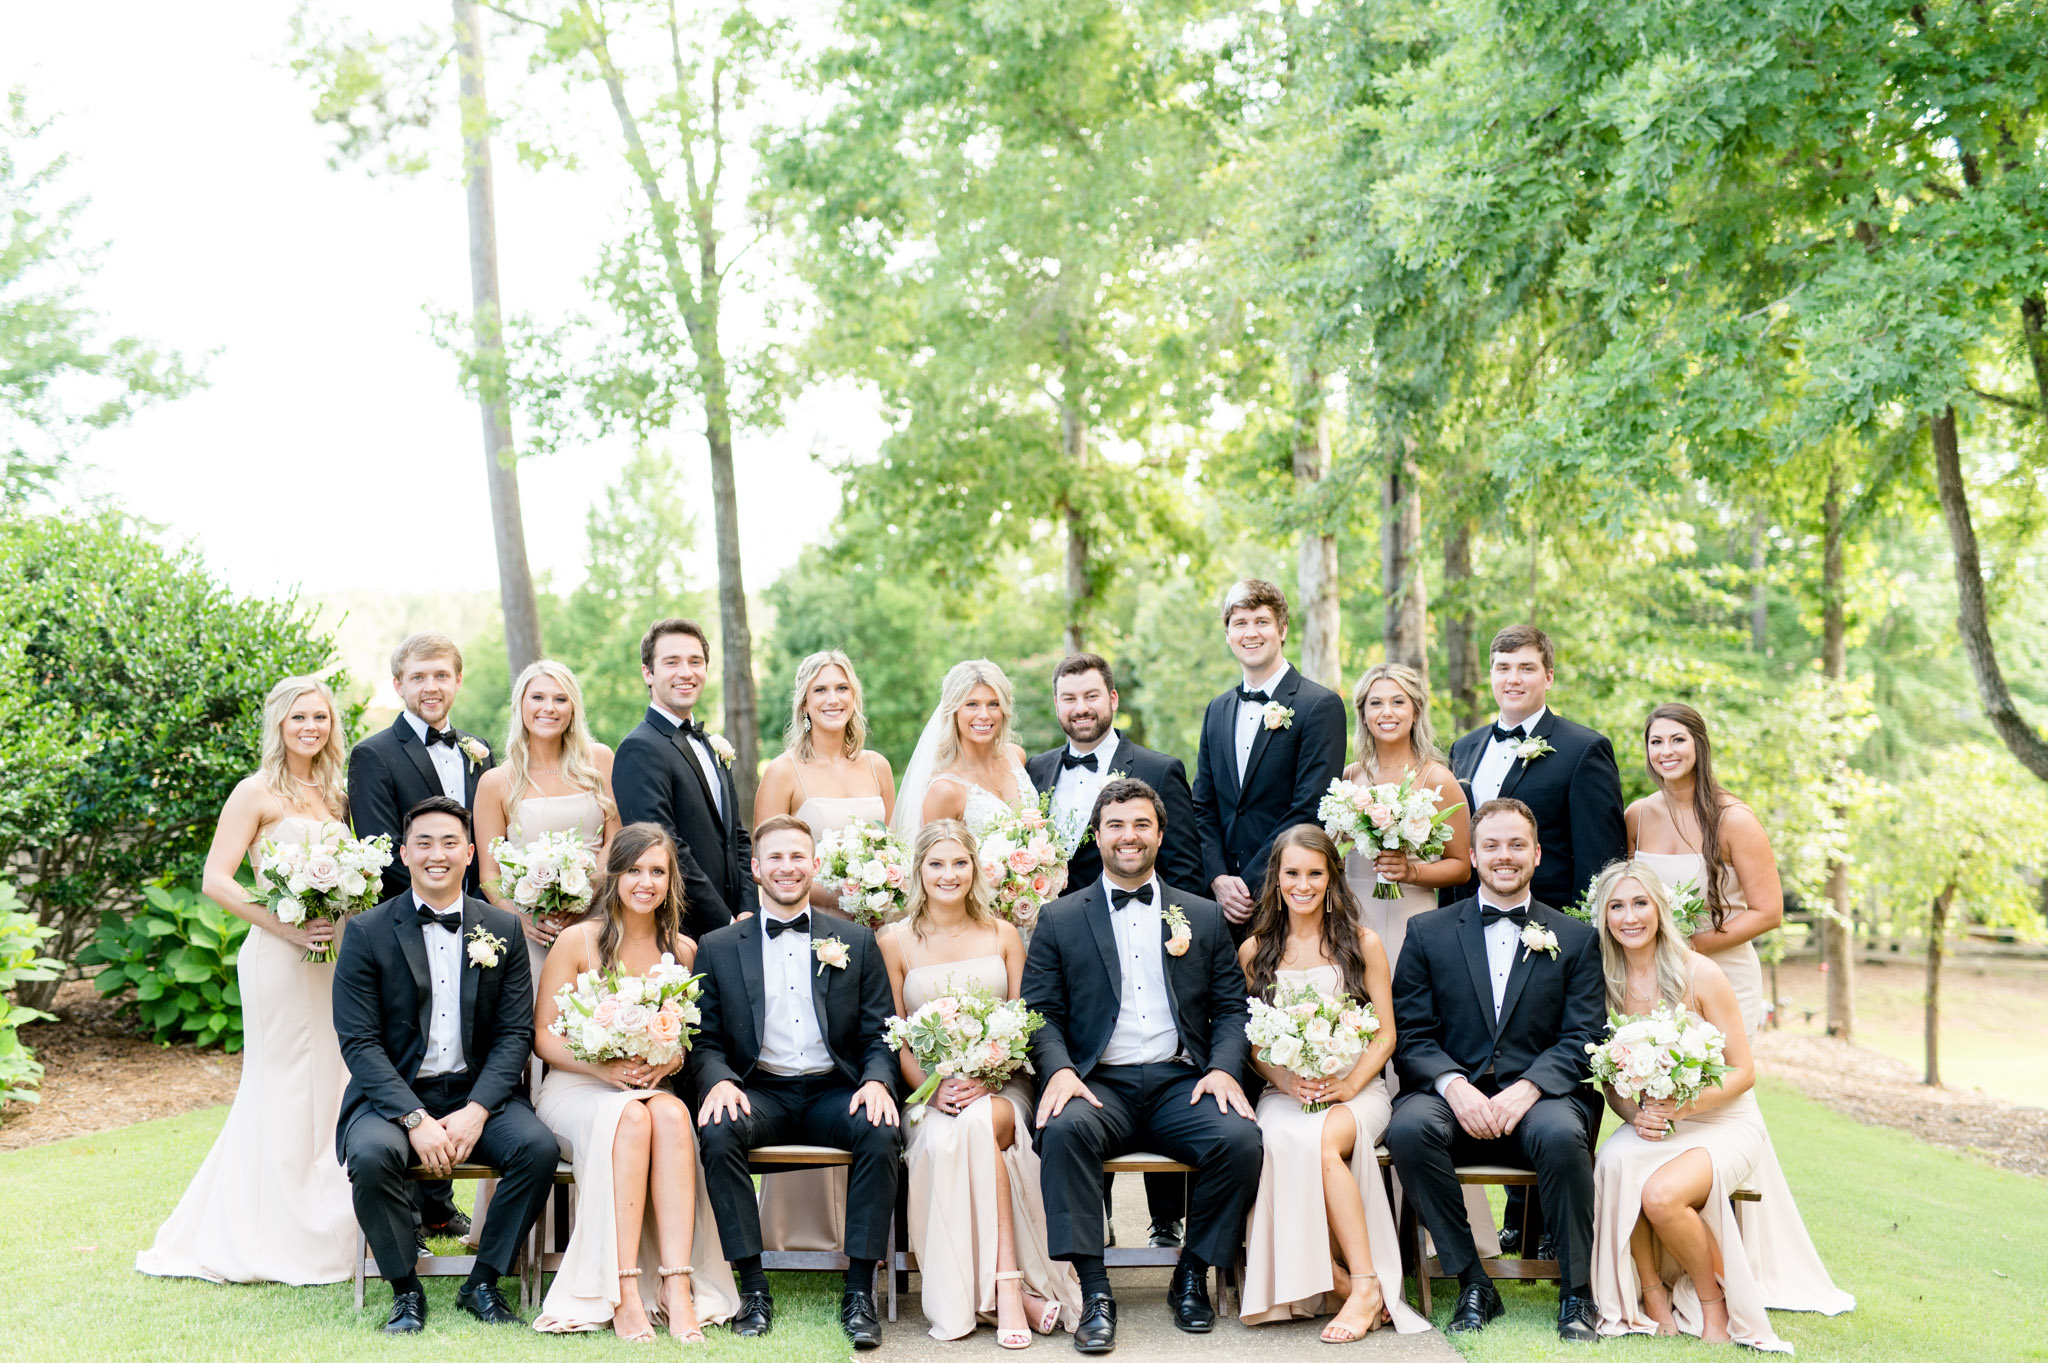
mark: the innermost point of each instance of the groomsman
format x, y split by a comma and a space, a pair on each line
1270, 748
433, 1007
793, 1048
670, 772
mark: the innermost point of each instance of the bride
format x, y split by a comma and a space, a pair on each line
965, 766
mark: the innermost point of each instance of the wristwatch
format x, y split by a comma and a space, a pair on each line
411, 1120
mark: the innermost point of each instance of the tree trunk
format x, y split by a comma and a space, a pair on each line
2034, 322
1406, 629
1937, 932
1973, 616
1074, 442
1838, 929
501, 470
1461, 634
1759, 591
1316, 570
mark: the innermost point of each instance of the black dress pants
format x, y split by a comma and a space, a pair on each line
809, 1109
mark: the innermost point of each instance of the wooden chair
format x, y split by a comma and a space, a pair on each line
433, 1265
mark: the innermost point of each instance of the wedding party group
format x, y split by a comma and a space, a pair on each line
984, 981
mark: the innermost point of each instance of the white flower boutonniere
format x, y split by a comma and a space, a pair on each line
1536, 937
475, 749
830, 951
721, 749
1179, 934
1278, 716
484, 947
1531, 748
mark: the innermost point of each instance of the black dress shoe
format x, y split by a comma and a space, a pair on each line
1188, 1295
1166, 1235
1575, 1320
1546, 1248
755, 1316
860, 1320
1510, 1240
456, 1225
408, 1314
420, 1248
1096, 1332
487, 1304
1477, 1307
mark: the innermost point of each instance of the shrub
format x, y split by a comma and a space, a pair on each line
21, 961
178, 956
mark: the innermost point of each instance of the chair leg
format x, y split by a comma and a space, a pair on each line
362, 1248
889, 1267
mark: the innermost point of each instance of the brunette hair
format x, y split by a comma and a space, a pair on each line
661, 629
916, 911
1122, 791
1252, 593
425, 644
1074, 664
1516, 637
1340, 917
1503, 804
629, 846
777, 823
1708, 799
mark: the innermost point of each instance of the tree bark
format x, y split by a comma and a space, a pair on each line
501, 469
1406, 630
1937, 933
1074, 443
2034, 322
1316, 570
1461, 634
1759, 591
1973, 615
1838, 930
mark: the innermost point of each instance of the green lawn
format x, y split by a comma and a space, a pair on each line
1940, 1252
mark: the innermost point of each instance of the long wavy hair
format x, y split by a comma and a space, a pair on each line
1708, 799
1340, 916
917, 909
628, 847
953, 694
330, 764
1421, 739
796, 739
579, 758
1674, 956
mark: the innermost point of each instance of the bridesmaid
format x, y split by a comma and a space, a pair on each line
827, 776
1670, 1252
1396, 741
554, 779
630, 1138
1321, 1185
976, 1222
1691, 830
271, 1203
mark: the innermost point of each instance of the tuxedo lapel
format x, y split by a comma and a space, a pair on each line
1262, 738
1044, 770
748, 944
1466, 752
472, 772
1222, 741
472, 973
822, 977
1521, 765
696, 768
1105, 942
417, 751
406, 928
1472, 936
1181, 976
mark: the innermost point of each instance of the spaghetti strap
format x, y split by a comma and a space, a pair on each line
798, 767
872, 772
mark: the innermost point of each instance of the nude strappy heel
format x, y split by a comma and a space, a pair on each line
695, 1334
647, 1338
1013, 1339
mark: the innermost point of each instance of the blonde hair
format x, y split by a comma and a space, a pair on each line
1674, 953
330, 764
579, 762
425, 644
917, 907
1421, 738
796, 739
953, 694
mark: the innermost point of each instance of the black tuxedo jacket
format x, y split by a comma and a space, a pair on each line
1073, 979
1551, 1011
1289, 773
1180, 855
389, 773
854, 1005
657, 779
382, 995
1575, 793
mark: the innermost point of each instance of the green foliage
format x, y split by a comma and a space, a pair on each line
1969, 826
21, 962
177, 956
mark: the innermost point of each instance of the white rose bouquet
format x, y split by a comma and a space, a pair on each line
968, 1033
872, 868
329, 875
1025, 860
605, 1015
1386, 818
1309, 1032
549, 878
1666, 1053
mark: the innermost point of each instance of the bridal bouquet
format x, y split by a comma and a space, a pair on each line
969, 1033
873, 870
1667, 1053
1025, 859
1688, 907
1311, 1033
330, 875
1386, 818
548, 877
605, 1015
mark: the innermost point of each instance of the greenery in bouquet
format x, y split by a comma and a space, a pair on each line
329, 874
967, 1033
608, 1015
1310, 1032
1386, 818
1024, 858
549, 878
1665, 1053
871, 868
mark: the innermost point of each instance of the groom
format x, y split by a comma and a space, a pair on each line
1495, 1000
1270, 749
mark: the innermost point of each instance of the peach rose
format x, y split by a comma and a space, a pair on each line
665, 1028
1022, 862
606, 1010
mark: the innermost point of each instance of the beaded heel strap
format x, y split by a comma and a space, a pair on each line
684, 1271
629, 1273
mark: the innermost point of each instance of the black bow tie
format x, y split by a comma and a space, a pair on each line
439, 736
1503, 735
1143, 894
693, 728
1488, 915
451, 921
1252, 697
1068, 758
778, 926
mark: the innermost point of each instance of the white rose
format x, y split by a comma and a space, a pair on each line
526, 893
297, 884
576, 883
544, 873
1329, 1065
290, 911
1318, 1030
873, 874
630, 990
1415, 829
970, 1028
1286, 1050
632, 1017
592, 1038
324, 871
353, 883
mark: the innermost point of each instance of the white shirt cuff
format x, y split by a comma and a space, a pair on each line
1443, 1082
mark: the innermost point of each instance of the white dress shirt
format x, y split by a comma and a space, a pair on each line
1144, 1033
1503, 938
447, 761
705, 758
791, 1042
1499, 758
444, 1015
1075, 788
1251, 718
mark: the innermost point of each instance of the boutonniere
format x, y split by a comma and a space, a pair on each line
475, 749
1536, 937
830, 951
484, 947
1179, 934
1531, 748
1278, 716
721, 749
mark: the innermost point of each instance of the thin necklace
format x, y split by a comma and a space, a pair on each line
315, 785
